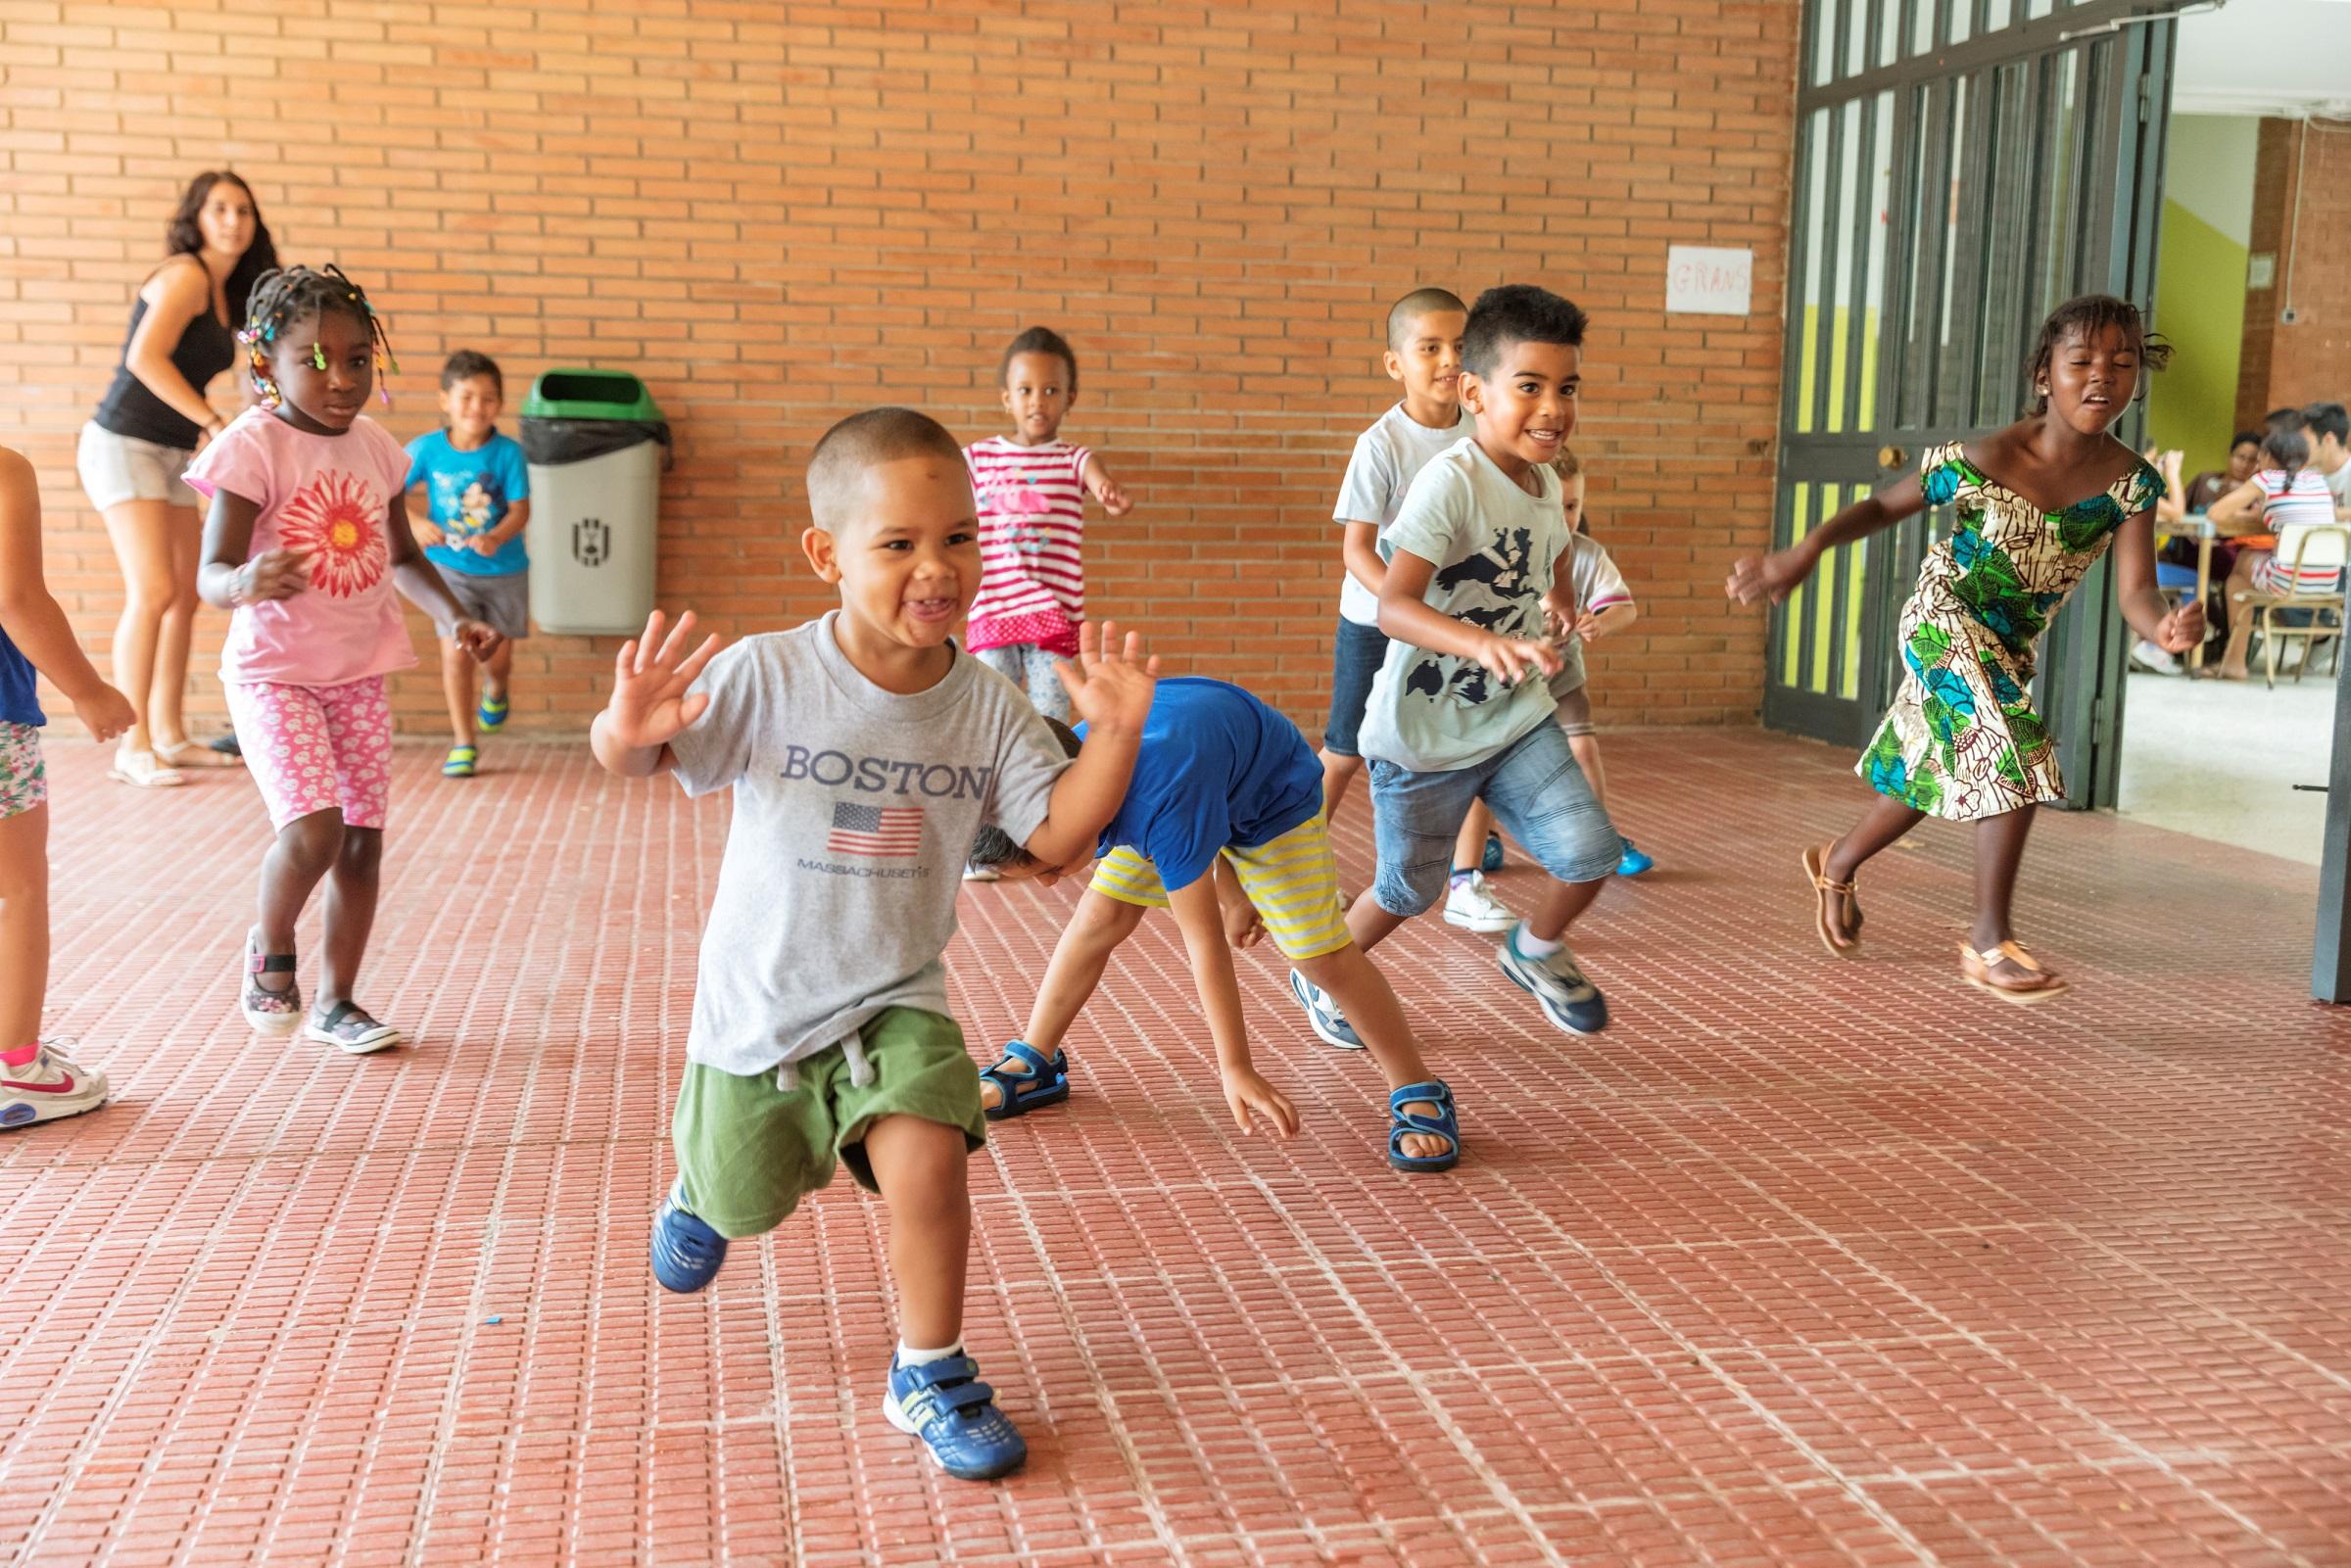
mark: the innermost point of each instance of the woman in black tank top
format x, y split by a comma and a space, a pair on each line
152, 419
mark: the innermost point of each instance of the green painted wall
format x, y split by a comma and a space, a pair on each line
2200, 306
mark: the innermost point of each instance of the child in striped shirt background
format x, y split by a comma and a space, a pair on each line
1032, 487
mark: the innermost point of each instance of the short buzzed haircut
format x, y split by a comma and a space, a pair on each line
1413, 306
866, 440
1518, 312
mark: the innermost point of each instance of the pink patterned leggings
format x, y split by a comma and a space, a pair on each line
315, 748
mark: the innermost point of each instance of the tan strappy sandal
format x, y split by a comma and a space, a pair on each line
1817, 860
2040, 987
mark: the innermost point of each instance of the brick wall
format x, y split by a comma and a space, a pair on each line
2302, 215
780, 213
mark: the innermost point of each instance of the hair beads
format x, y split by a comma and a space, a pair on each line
285, 298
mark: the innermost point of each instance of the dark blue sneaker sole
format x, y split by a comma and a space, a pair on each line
1589, 1025
682, 1275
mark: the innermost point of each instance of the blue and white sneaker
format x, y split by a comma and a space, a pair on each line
1323, 1015
685, 1252
945, 1405
1571, 1001
1633, 863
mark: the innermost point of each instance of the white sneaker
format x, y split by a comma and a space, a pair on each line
1472, 906
2148, 656
982, 874
46, 1088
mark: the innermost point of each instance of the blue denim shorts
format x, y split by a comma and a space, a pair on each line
1537, 793
1354, 661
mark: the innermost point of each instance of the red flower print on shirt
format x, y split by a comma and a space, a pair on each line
336, 523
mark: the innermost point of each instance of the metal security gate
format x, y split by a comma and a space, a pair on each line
1962, 166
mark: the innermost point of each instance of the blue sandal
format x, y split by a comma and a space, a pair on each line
1403, 1124
458, 764
1046, 1082
492, 714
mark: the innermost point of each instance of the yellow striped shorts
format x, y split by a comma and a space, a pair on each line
1293, 882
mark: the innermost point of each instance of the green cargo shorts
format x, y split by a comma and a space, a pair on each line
748, 1152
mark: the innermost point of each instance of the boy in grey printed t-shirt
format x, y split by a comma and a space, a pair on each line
864, 751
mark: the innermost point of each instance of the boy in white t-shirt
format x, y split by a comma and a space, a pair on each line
2329, 428
1424, 357
1459, 713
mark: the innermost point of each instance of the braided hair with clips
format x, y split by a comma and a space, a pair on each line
286, 297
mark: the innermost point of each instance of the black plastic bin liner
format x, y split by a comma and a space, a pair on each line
551, 441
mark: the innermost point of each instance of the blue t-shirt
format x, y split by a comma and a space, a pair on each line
1217, 768
18, 703
469, 493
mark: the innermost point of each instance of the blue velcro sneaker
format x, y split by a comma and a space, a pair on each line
685, 1252
945, 1405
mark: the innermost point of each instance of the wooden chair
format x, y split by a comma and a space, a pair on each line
2324, 611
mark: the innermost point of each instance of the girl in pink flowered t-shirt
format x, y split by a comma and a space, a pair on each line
307, 534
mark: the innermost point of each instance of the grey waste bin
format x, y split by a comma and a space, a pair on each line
597, 445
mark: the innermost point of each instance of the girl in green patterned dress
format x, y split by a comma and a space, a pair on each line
1962, 740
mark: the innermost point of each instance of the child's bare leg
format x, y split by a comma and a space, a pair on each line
1886, 820
498, 675
1370, 1004
1586, 757
305, 850
1339, 773
456, 687
350, 896
1093, 933
1368, 923
920, 1166
1469, 845
24, 924
1560, 904
1999, 852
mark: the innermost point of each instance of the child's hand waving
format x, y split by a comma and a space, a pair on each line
1109, 686
1251, 1096
651, 706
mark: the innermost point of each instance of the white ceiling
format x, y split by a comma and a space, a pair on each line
2266, 57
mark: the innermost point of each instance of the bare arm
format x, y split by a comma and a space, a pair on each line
33, 619
2241, 510
1110, 688
2149, 614
1095, 476
1201, 920
421, 584
1769, 578
176, 297
1406, 615
1359, 548
419, 508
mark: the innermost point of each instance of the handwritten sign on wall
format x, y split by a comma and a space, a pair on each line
1701, 280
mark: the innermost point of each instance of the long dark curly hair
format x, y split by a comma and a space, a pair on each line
184, 238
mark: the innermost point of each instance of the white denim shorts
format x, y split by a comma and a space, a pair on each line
115, 468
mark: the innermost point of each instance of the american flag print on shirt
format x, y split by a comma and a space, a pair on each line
883, 833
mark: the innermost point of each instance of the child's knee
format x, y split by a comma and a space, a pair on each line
316, 840
362, 849
920, 1166
1327, 970
1104, 919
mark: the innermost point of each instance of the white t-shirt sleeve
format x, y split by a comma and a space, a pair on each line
1369, 486
714, 751
1433, 515
1598, 583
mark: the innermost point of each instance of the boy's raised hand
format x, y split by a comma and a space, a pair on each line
1110, 686
1251, 1096
651, 706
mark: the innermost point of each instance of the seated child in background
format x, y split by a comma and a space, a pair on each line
36, 1081
1480, 546
477, 500
864, 753
1223, 825
1601, 605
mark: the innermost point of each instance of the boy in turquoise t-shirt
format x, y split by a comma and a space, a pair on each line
477, 495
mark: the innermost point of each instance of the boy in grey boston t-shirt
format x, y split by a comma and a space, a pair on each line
864, 751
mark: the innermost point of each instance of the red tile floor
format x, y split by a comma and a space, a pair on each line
1803, 1261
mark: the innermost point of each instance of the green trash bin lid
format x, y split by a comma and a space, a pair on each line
589, 395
